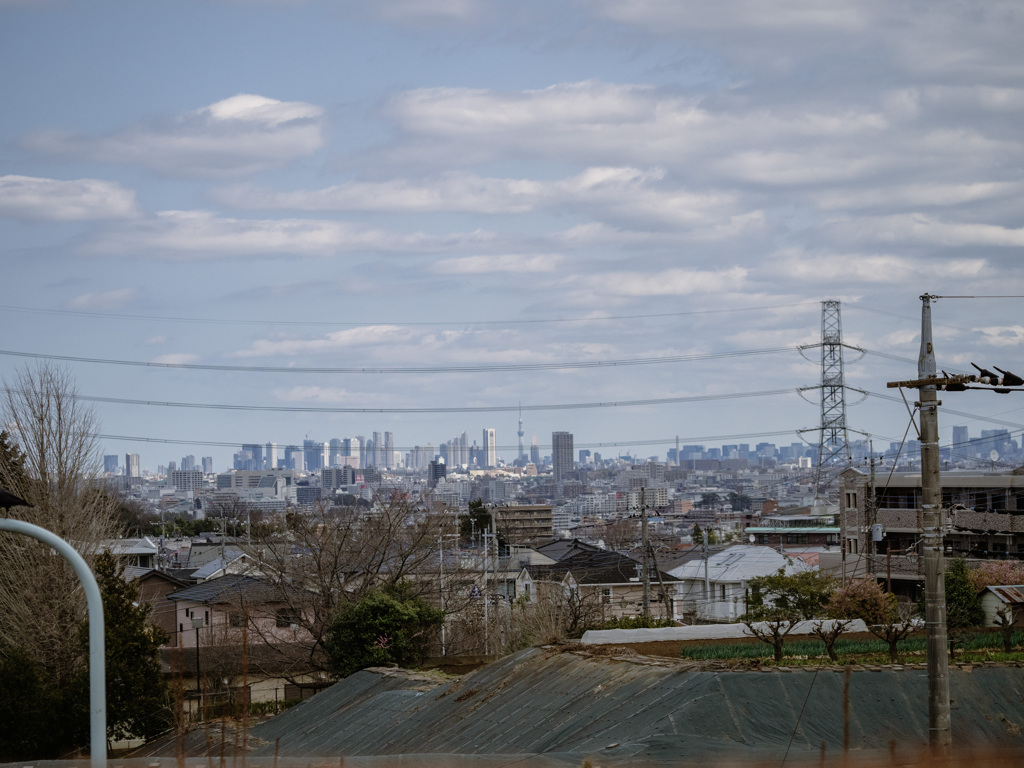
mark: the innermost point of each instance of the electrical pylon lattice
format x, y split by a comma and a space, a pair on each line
834, 446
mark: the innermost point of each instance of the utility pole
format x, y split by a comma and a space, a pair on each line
707, 580
645, 560
939, 730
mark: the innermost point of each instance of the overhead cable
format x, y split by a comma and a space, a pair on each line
440, 409
424, 323
500, 367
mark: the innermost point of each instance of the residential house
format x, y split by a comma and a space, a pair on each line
716, 589
607, 584
995, 600
213, 612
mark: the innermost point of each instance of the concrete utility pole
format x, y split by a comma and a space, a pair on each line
645, 559
940, 735
939, 731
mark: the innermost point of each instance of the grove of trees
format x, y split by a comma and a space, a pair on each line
49, 458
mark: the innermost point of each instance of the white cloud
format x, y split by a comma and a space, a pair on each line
413, 11
845, 268
179, 358
916, 195
203, 235
621, 191
669, 282
1003, 335
918, 228
103, 300
364, 336
315, 394
27, 197
450, 192
668, 15
239, 135
632, 125
480, 265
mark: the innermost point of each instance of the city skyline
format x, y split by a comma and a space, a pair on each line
995, 446
416, 216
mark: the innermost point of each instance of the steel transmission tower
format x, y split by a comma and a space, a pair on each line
833, 447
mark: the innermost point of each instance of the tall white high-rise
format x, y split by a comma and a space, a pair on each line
389, 450
131, 465
490, 448
271, 455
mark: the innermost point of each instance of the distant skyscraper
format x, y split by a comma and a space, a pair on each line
359, 449
960, 439
561, 454
534, 452
436, 470
375, 457
314, 453
271, 456
389, 450
255, 459
293, 458
131, 465
463, 449
208, 465
335, 452
490, 448
110, 464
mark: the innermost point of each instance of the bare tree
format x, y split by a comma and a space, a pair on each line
331, 556
54, 434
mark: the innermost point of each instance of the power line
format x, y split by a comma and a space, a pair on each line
966, 415
445, 409
500, 367
349, 324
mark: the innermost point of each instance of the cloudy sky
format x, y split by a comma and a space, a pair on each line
458, 206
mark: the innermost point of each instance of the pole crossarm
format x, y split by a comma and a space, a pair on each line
933, 381
97, 658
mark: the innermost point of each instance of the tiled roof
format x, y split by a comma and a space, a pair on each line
559, 549
226, 589
594, 568
739, 563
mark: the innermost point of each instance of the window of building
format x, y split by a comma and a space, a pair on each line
606, 595
236, 618
285, 617
851, 499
